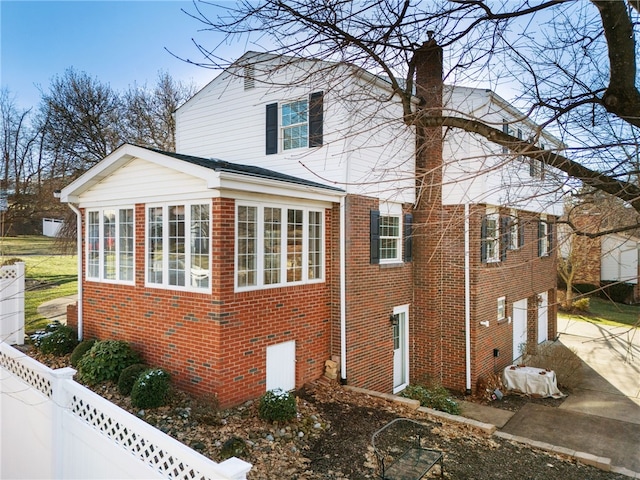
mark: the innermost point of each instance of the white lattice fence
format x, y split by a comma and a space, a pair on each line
85, 435
12, 304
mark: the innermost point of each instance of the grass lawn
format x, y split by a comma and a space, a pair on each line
606, 312
48, 275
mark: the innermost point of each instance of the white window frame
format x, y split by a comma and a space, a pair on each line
290, 127
544, 239
514, 230
192, 276
390, 239
493, 240
502, 309
118, 247
308, 272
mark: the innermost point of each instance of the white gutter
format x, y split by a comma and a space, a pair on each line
343, 288
467, 298
79, 242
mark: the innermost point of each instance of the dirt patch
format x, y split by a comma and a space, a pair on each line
331, 437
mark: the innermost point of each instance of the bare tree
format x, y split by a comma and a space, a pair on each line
571, 66
82, 120
148, 113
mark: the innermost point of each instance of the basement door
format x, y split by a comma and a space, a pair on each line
281, 366
401, 348
543, 317
519, 327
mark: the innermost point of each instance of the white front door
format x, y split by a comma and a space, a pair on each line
400, 349
543, 317
519, 327
281, 366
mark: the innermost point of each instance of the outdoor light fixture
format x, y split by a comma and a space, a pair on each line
393, 319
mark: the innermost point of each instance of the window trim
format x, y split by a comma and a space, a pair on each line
260, 251
502, 309
101, 253
485, 240
397, 239
274, 138
545, 237
188, 287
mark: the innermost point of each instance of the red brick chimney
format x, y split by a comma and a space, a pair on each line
428, 216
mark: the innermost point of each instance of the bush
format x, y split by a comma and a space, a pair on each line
433, 396
78, 352
562, 360
151, 389
56, 339
129, 376
277, 406
106, 360
618, 292
581, 305
585, 288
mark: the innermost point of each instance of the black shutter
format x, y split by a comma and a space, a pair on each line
374, 234
315, 119
549, 237
483, 240
504, 236
407, 252
272, 129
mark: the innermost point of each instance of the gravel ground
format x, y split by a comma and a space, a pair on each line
331, 438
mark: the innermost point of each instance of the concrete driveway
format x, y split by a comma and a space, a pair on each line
602, 415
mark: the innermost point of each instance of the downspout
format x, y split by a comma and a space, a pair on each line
79, 242
343, 296
467, 299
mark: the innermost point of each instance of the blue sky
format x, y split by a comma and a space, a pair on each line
117, 42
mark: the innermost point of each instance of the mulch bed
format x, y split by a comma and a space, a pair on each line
331, 438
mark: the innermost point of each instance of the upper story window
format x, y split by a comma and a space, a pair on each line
110, 240
278, 245
545, 237
515, 231
536, 167
390, 237
490, 241
178, 246
294, 124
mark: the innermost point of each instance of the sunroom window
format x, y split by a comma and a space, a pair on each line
278, 245
178, 246
110, 244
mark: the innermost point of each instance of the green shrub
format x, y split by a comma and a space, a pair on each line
433, 396
585, 288
129, 376
582, 304
618, 292
106, 360
277, 406
151, 389
56, 339
78, 352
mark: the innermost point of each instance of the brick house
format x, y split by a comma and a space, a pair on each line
328, 232
607, 259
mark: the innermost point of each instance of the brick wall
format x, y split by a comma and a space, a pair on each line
522, 275
372, 291
214, 343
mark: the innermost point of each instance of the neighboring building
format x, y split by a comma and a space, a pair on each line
398, 263
607, 259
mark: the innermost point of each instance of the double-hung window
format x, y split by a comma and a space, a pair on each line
278, 245
294, 124
490, 241
545, 237
110, 243
178, 246
390, 238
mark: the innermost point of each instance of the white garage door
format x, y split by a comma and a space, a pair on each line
281, 366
